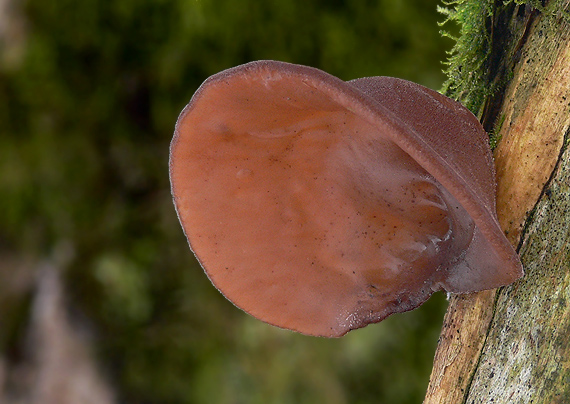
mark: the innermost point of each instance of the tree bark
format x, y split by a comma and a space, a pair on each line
512, 345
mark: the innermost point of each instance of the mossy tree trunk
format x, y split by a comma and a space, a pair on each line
512, 345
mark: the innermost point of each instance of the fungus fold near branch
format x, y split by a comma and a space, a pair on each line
321, 206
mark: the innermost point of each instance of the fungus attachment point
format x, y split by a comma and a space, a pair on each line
321, 206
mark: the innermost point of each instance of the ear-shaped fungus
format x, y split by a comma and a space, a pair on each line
321, 206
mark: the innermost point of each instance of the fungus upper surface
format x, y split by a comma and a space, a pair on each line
322, 206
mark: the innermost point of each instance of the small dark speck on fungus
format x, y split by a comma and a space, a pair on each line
298, 162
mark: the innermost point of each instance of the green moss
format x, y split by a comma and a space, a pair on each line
467, 60
495, 135
485, 29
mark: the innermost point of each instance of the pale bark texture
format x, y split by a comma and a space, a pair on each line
512, 345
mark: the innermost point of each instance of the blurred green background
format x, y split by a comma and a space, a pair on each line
89, 94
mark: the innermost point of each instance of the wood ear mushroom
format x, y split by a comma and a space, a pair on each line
321, 206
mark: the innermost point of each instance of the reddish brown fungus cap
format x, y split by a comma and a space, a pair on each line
321, 206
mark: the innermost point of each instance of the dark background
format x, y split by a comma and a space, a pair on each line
89, 94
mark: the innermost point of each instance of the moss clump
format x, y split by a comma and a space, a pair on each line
466, 65
488, 30
495, 135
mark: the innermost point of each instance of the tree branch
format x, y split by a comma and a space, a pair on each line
511, 344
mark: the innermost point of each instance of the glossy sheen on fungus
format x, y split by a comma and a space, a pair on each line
321, 206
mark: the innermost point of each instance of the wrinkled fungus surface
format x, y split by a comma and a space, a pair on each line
321, 206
